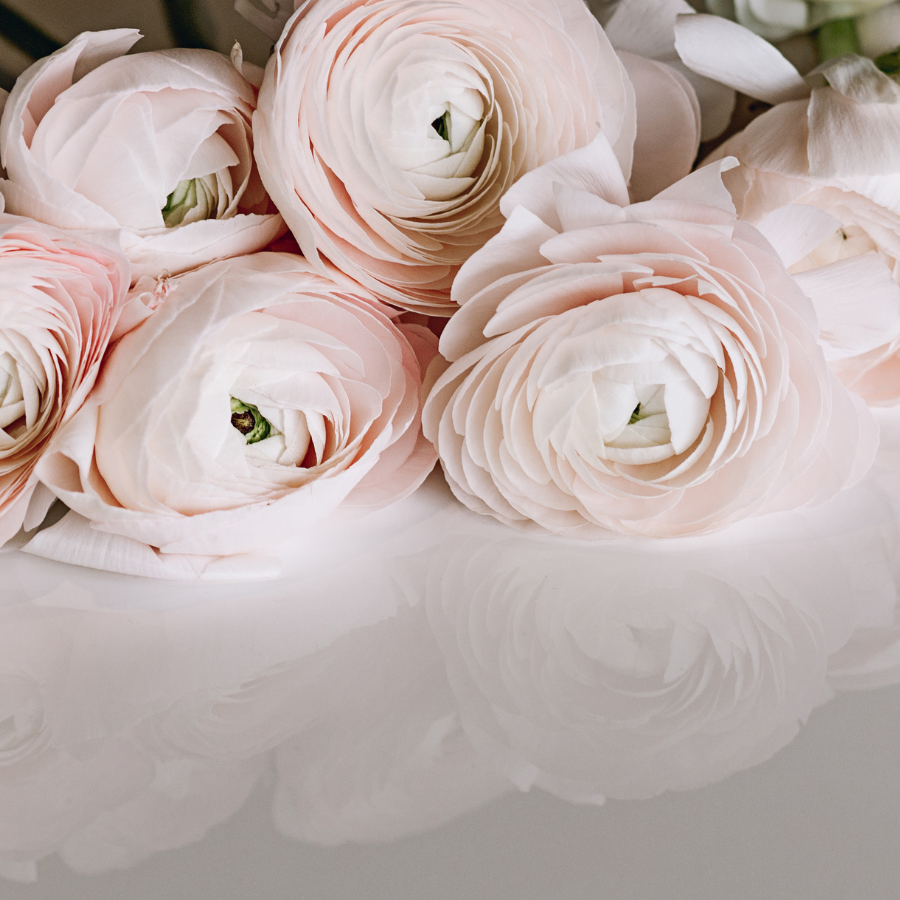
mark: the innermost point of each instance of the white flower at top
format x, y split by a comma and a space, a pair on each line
819, 175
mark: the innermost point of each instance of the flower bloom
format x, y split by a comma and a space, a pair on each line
808, 153
59, 300
387, 131
245, 409
649, 369
156, 145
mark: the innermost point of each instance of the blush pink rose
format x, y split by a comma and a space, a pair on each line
59, 301
258, 398
156, 145
648, 369
387, 131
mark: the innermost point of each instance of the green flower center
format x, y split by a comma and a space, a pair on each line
636, 415
249, 421
442, 126
192, 200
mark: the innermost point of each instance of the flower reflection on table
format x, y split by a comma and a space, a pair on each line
417, 663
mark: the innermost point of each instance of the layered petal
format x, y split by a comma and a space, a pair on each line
387, 132
59, 303
650, 369
157, 145
251, 404
820, 176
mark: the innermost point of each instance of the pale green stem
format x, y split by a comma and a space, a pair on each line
837, 38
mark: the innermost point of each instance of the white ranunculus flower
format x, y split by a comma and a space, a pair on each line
807, 153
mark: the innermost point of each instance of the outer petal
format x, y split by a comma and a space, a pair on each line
727, 52
668, 135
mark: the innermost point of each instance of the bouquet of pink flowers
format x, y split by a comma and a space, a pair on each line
237, 302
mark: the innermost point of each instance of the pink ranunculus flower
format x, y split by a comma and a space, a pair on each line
648, 369
60, 297
387, 131
157, 145
253, 402
837, 152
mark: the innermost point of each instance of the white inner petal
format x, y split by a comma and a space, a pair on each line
289, 441
429, 120
12, 398
630, 381
647, 424
128, 151
846, 242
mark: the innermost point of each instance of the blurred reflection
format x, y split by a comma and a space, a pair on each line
627, 669
412, 665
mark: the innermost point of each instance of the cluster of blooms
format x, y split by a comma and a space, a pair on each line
631, 347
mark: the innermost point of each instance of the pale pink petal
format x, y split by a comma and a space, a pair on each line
851, 138
592, 168
668, 134
857, 302
731, 54
857, 78
796, 230
717, 101
73, 541
646, 28
704, 186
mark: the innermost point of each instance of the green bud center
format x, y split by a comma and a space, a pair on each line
192, 200
442, 126
636, 415
249, 421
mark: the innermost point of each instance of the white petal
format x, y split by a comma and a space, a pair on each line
847, 137
796, 230
857, 302
668, 124
593, 168
72, 540
729, 53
